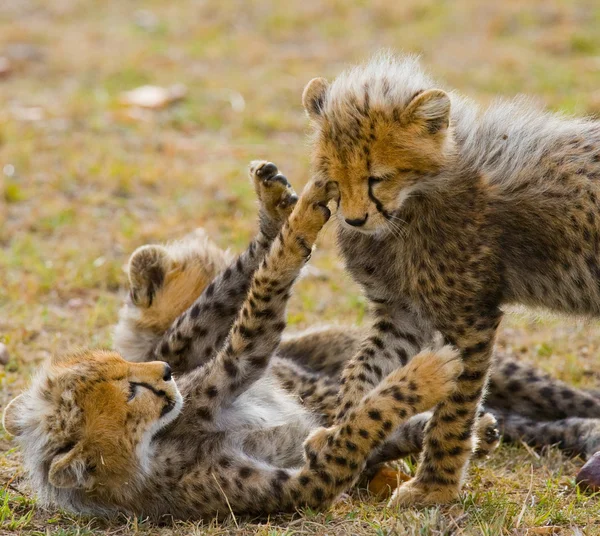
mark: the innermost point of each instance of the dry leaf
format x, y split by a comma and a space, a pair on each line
4, 355
5, 67
385, 481
153, 97
27, 113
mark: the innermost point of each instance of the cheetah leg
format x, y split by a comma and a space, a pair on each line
449, 440
579, 436
395, 336
519, 387
325, 350
199, 332
319, 394
336, 456
407, 440
344, 448
316, 392
256, 333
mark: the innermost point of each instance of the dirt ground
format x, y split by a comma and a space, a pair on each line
84, 180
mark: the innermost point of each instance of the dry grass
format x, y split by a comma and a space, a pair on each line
86, 183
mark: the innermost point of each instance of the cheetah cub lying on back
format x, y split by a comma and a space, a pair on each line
101, 434
447, 213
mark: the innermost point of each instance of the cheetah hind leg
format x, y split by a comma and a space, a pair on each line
147, 269
339, 453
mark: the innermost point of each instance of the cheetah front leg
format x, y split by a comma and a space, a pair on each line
256, 333
199, 332
449, 439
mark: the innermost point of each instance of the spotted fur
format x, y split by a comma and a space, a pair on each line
104, 435
309, 364
446, 214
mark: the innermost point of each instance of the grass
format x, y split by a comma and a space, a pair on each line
83, 181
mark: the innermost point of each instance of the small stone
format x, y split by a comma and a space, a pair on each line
27, 113
588, 478
4, 355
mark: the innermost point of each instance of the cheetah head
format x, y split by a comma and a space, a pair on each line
380, 131
86, 423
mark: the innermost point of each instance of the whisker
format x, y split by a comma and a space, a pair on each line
395, 229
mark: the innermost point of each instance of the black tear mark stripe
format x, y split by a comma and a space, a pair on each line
378, 204
157, 392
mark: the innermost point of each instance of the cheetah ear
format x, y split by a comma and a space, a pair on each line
70, 470
10, 417
313, 97
147, 269
430, 109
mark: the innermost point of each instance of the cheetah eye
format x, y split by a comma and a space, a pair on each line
380, 178
132, 391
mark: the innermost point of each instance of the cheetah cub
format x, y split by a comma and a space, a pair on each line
529, 404
103, 435
448, 212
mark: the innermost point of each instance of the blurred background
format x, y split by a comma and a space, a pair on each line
90, 169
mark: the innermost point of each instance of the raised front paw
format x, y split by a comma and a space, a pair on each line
311, 212
415, 493
275, 194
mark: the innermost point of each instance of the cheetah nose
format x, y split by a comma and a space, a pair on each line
357, 222
167, 374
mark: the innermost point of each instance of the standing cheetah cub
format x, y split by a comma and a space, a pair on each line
447, 213
104, 435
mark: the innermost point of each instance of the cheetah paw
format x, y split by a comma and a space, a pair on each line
311, 213
435, 373
275, 194
148, 266
488, 436
317, 439
414, 493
